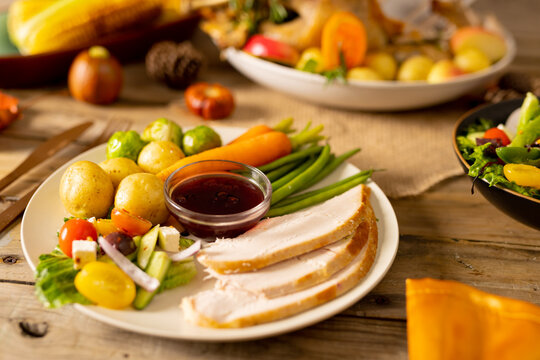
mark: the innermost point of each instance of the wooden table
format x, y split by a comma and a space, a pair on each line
445, 233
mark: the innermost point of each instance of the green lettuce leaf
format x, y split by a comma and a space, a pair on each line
55, 277
480, 126
487, 168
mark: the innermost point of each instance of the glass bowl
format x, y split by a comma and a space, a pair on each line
218, 198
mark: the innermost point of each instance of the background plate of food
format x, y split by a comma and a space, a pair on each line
163, 316
364, 55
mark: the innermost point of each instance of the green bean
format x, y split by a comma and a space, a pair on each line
282, 170
362, 174
317, 198
299, 181
332, 166
290, 158
291, 175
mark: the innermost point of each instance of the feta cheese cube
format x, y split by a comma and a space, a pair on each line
83, 252
169, 238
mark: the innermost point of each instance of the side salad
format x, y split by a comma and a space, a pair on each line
84, 269
503, 157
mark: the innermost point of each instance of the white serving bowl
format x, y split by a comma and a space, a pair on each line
364, 95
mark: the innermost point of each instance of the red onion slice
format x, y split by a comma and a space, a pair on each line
184, 254
141, 278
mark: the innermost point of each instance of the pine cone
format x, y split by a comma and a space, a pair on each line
175, 64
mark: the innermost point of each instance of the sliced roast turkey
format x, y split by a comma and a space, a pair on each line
299, 272
280, 238
232, 308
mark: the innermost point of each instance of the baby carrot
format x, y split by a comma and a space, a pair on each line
283, 126
256, 151
252, 132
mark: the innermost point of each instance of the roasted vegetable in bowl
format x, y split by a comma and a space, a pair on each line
336, 37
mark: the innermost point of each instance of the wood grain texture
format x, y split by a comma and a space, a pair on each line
445, 233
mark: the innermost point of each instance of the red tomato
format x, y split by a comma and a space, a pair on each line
130, 224
75, 229
495, 133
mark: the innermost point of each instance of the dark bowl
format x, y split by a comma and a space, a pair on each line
522, 208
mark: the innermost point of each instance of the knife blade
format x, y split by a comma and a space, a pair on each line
15, 209
44, 151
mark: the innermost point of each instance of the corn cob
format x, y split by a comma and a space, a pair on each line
21, 11
72, 23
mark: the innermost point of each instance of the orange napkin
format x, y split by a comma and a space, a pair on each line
450, 320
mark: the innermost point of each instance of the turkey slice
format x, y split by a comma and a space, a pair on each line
299, 272
276, 239
233, 308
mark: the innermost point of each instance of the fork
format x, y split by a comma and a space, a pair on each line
113, 125
12, 212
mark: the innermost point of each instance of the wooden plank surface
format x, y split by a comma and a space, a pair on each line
445, 233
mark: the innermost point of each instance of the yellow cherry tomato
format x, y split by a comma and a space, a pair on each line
524, 175
105, 285
311, 60
105, 226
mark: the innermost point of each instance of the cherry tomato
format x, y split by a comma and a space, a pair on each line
75, 229
130, 224
105, 226
495, 133
105, 284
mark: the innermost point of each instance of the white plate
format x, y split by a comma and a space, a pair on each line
364, 95
163, 317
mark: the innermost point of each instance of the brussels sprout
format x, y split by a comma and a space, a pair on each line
199, 139
163, 130
126, 144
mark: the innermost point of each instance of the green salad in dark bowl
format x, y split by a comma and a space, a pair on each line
498, 146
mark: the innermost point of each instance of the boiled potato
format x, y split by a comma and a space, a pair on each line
142, 195
86, 190
119, 168
159, 155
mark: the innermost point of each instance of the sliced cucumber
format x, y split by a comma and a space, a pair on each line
137, 240
147, 246
158, 266
179, 273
